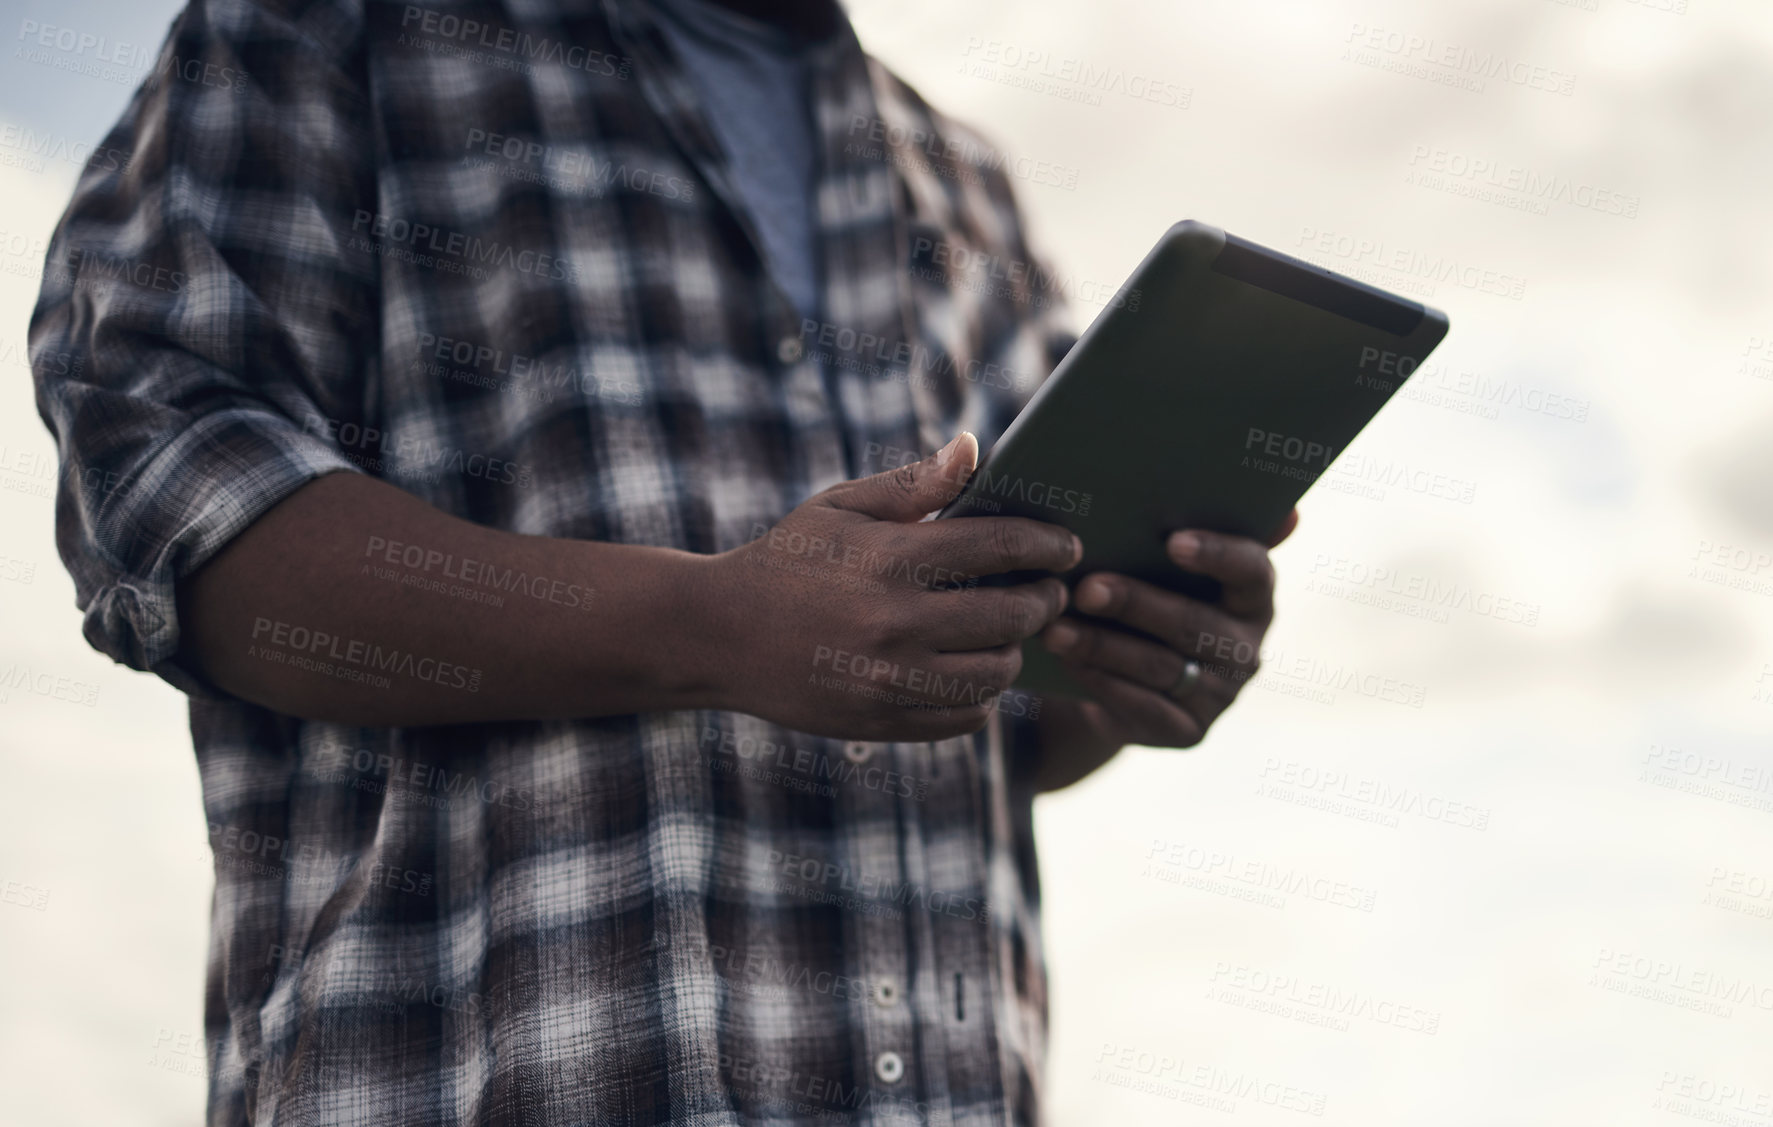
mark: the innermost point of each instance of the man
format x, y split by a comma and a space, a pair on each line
510, 423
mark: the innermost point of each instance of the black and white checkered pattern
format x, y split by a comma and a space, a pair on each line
686, 918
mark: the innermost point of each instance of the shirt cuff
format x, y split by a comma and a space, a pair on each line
198, 493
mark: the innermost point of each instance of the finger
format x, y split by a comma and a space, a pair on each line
1153, 719
1139, 660
912, 491
1240, 564
982, 618
995, 545
1227, 661
1285, 530
1176, 620
963, 681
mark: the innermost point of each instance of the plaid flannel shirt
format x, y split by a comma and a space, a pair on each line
486, 250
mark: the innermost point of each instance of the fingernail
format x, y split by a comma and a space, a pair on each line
1061, 636
1064, 597
1077, 551
951, 453
1184, 547
1093, 595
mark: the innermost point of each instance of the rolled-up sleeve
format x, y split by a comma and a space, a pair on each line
205, 312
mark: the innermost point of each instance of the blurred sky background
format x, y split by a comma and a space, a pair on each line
1523, 842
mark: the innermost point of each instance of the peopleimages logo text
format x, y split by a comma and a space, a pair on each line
463, 247
459, 30
366, 655
987, 492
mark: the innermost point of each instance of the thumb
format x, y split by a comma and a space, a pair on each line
912, 491
1285, 530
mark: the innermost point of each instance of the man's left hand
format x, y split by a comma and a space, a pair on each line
1166, 685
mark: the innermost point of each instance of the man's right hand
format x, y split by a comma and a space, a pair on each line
855, 618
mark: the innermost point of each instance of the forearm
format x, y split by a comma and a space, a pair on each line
356, 602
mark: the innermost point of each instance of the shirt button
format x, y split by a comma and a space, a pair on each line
857, 751
889, 1067
885, 993
789, 350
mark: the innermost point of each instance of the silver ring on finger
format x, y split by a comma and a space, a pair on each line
1185, 681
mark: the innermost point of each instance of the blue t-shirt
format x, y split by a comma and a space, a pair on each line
753, 80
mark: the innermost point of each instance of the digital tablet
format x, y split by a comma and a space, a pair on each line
1219, 383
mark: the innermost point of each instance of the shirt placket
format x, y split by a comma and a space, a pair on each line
949, 923
928, 984
815, 412
867, 329
884, 1034
936, 840
924, 963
